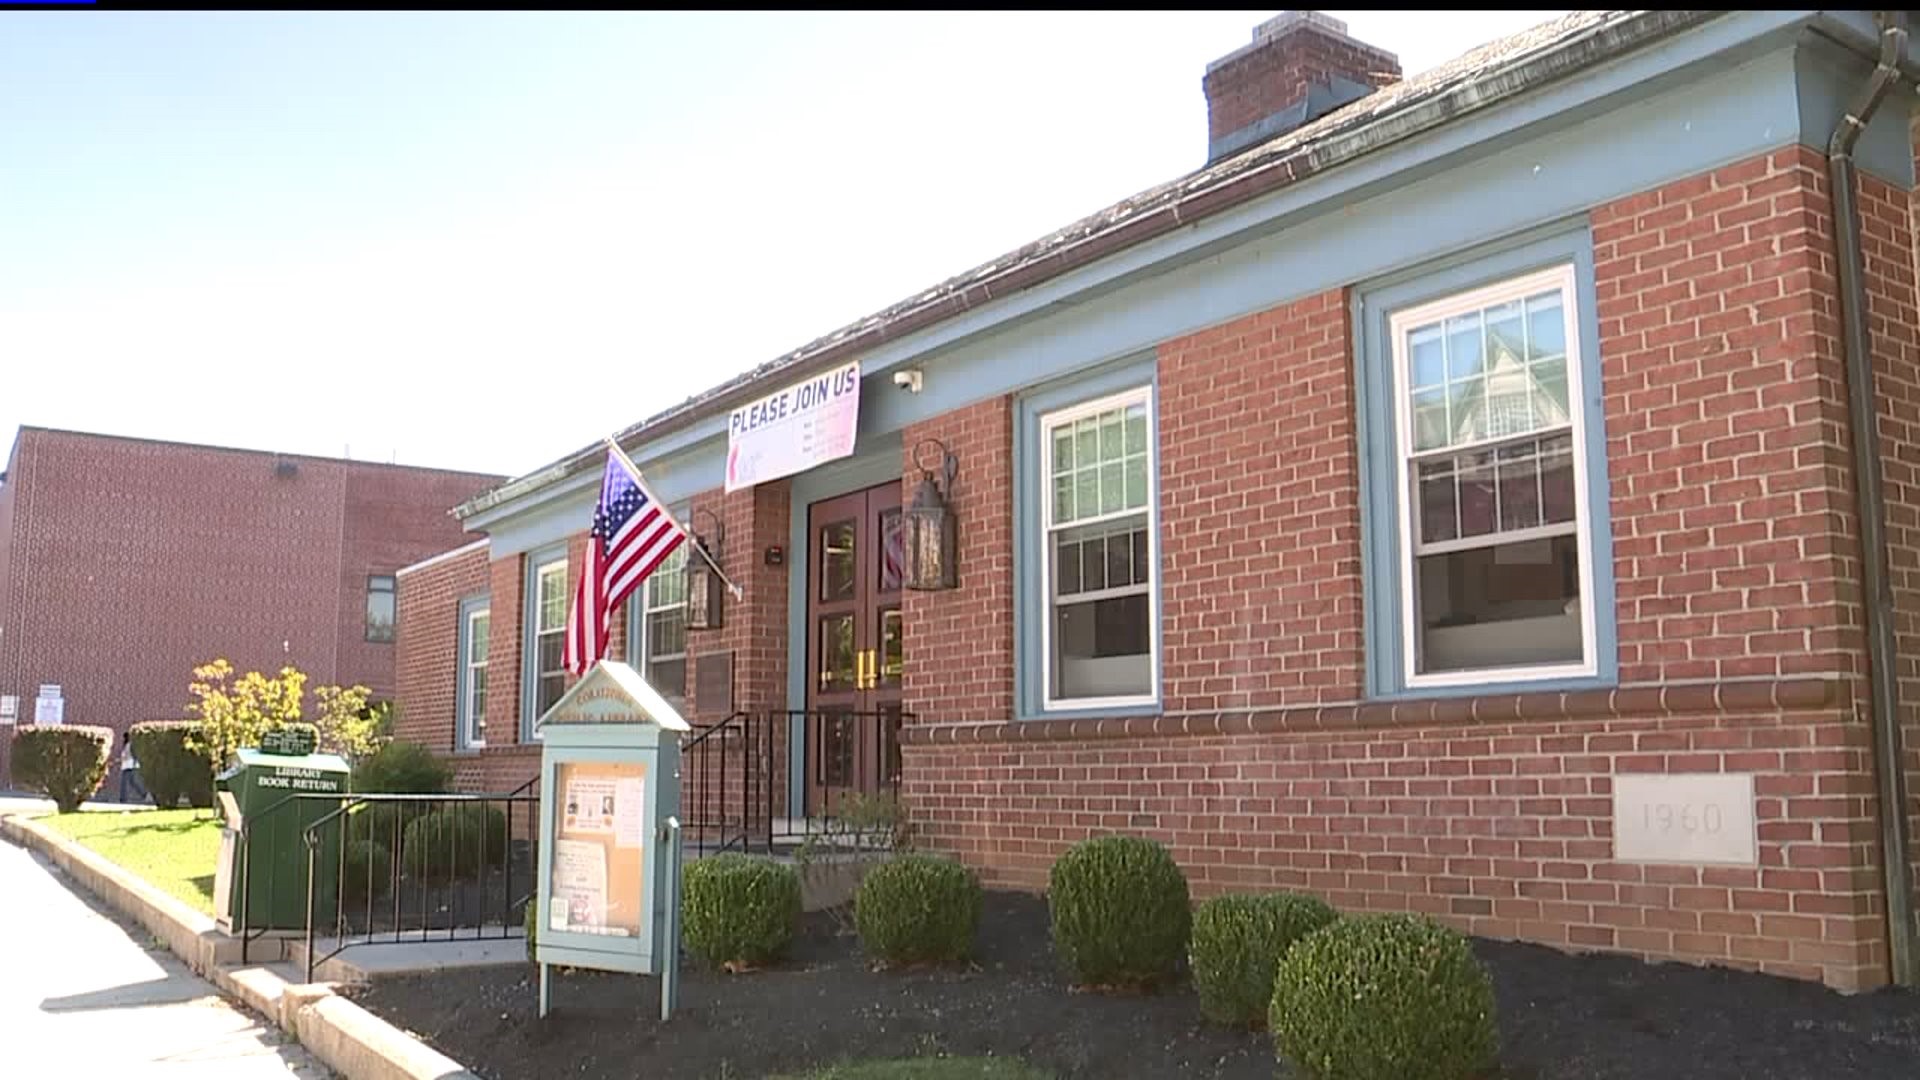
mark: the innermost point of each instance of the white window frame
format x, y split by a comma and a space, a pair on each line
540, 572
1139, 395
1559, 278
473, 727
640, 642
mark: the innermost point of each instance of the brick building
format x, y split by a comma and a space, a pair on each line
1445, 499
126, 562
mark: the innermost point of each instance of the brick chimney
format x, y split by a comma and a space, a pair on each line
1301, 66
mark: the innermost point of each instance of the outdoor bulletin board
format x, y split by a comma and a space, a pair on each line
600, 848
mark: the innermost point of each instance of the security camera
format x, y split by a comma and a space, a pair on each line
907, 380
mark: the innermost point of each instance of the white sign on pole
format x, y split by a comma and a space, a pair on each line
49, 711
9, 709
792, 431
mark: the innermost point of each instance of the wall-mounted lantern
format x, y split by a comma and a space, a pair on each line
706, 590
932, 540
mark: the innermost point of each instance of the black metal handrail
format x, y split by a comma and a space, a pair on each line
848, 749
449, 868
716, 822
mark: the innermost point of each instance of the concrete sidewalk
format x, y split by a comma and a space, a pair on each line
84, 985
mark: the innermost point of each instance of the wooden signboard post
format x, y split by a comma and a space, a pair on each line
609, 879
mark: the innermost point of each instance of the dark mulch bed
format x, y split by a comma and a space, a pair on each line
1560, 1016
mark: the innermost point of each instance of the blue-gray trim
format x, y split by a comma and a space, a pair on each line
1029, 547
1374, 432
529, 613
1730, 89
875, 461
462, 643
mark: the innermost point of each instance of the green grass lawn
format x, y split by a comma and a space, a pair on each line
928, 1068
174, 849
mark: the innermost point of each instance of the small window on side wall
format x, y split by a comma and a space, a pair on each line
1491, 475
380, 607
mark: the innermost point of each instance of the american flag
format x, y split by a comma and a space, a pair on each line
632, 534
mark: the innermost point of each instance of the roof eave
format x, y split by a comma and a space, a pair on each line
1336, 147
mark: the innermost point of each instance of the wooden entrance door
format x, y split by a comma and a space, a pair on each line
854, 645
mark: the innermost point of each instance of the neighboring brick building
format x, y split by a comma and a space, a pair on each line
126, 562
1445, 500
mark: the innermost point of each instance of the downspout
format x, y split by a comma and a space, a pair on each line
1870, 495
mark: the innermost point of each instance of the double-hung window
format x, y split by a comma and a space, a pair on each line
549, 627
1099, 559
1490, 463
657, 626
475, 640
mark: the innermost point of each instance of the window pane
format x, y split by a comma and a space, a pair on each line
1506, 335
669, 676
667, 585
1479, 510
1550, 390
1113, 488
1430, 430
1120, 559
1113, 444
379, 615
1506, 605
553, 596
551, 687
1437, 511
1063, 498
1102, 648
666, 632
1086, 449
1464, 359
1141, 569
1428, 359
1086, 493
1546, 325
1067, 562
1136, 429
836, 652
1062, 450
1556, 481
479, 634
893, 549
1093, 564
837, 570
1519, 472
1136, 472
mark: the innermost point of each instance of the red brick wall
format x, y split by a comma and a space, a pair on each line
1889, 241
1726, 437
1260, 512
1734, 561
196, 552
959, 644
426, 647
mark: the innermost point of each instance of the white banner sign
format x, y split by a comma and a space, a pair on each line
792, 431
49, 712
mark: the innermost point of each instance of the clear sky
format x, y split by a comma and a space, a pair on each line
483, 240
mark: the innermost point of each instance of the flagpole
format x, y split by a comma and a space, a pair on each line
699, 548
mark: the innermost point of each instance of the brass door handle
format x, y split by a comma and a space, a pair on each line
869, 670
860, 669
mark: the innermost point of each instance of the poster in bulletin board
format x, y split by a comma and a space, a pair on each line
598, 843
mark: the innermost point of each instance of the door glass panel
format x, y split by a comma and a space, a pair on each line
837, 570
833, 767
890, 718
836, 652
893, 652
893, 550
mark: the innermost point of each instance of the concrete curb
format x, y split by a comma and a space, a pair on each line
345, 1037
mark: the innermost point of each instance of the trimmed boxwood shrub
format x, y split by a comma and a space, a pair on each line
1237, 943
65, 763
1384, 997
401, 768
441, 845
367, 870
169, 768
738, 910
1121, 912
490, 822
918, 909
